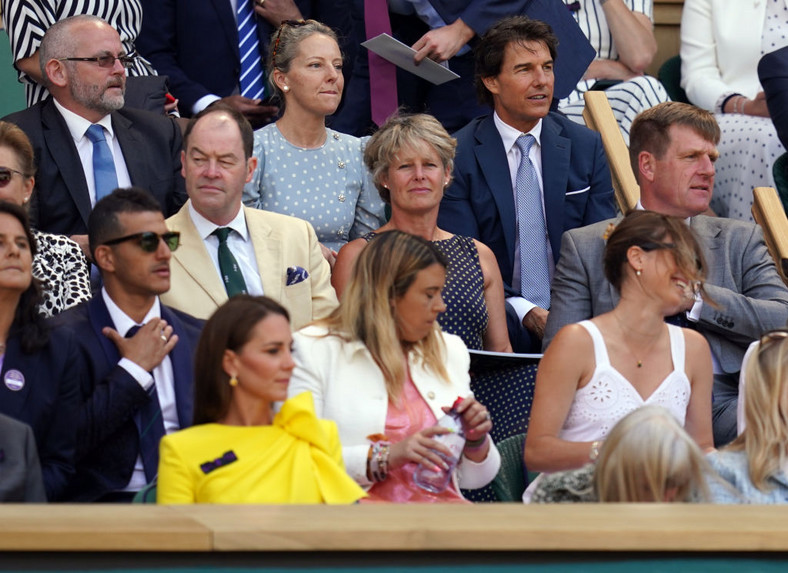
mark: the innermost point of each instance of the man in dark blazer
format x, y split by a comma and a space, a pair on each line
453, 103
145, 147
139, 353
514, 73
672, 149
196, 45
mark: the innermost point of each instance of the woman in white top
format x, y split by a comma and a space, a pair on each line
721, 43
594, 373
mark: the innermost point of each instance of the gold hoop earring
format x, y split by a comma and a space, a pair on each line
233, 381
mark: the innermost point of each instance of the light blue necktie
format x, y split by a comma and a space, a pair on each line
104, 176
252, 78
534, 271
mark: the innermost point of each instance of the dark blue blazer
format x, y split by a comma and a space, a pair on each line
151, 145
108, 441
773, 73
195, 43
48, 402
480, 203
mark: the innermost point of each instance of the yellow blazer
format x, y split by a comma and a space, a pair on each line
279, 242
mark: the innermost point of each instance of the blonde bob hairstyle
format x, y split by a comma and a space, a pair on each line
383, 272
649, 457
765, 436
417, 131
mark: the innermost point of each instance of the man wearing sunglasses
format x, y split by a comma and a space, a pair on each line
86, 143
672, 151
229, 248
139, 352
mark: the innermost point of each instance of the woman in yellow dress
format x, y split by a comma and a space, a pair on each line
238, 451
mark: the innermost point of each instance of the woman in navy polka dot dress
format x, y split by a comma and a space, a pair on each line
411, 160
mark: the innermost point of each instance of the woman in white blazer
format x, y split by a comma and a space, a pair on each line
381, 368
721, 44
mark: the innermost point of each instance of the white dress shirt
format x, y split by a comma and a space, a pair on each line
78, 126
509, 136
163, 377
240, 244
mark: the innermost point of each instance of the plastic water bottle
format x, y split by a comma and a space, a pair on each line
437, 481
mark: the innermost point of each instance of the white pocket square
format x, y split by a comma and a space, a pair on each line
578, 191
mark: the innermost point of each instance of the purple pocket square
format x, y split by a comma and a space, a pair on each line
296, 275
226, 459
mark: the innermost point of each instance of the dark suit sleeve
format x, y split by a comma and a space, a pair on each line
456, 213
761, 304
34, 482
57, 449
773, 73
106, 407
158, 43
178, 196
570, 294
601, 199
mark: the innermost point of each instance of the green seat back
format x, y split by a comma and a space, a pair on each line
669, 75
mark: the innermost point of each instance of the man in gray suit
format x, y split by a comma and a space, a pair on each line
672, 151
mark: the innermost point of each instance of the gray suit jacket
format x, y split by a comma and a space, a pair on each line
741, 279
20, 472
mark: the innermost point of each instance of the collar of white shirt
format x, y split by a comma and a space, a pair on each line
78, 125
509, 134
205, 228
121, 320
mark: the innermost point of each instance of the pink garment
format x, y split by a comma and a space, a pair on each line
402, 421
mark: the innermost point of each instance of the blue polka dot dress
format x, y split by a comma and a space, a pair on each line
328, 186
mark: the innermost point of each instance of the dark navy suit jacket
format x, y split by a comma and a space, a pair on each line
773, 73
48, 401
108, 443
195, 43
151, 145
480, 202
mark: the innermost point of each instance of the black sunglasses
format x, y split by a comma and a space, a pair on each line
104, 61
149, 241
656, 246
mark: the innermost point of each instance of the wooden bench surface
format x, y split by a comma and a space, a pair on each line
487, 527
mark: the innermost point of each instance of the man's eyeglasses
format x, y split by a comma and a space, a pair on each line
149, 241
5, 175
104, 61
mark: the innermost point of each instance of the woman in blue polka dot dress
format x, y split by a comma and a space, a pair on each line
721, 44
305, 169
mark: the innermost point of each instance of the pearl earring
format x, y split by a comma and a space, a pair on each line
285, 89
637, 272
